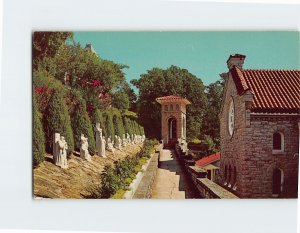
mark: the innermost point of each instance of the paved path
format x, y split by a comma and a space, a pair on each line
171, 182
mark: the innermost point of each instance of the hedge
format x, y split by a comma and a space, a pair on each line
38, 140
81, 123
56, 119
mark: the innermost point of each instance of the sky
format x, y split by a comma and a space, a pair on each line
204, 54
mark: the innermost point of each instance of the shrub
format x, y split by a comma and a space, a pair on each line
119, 194
110, 131
57, 120
118, 125
81, 123
38, 140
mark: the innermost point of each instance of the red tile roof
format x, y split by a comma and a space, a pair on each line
208, 159
275, 91
171, 98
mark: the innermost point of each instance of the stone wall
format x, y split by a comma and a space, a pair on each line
144, 189
205, 187
247, 154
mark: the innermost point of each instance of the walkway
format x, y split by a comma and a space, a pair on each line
171, 182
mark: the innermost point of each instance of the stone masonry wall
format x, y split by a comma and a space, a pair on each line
260, 162
233, 147
249, 150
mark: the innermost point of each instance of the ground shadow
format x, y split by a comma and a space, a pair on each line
185, 183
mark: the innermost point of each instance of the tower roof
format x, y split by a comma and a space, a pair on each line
172, 98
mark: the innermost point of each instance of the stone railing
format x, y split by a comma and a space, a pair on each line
205, 187
145, 186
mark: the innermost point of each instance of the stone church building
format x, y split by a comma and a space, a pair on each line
259, 129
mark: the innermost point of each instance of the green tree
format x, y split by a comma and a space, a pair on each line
171, 81
38, 140
211, 122
81, 123
109, 124
57, 120
46, 44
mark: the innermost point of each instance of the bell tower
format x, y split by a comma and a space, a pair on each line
173, 118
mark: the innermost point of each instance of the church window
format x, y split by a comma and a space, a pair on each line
278, 142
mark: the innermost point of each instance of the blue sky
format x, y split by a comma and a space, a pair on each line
204, 54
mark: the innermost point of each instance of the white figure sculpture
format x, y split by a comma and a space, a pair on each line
124, 141
100, 146
103, 147
84, 148
110, 145
60, 147
117, 143
128, 138
132, 139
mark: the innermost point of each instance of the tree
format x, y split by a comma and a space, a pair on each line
211, 123
46, 44
57, 120
171, 81
109, 124
120, 100
38, 140
81, 123
118, 125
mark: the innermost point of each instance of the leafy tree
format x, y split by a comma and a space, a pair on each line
46, 44
38, 140
211, 122
109, 124
171, 81
81, 123
118, 125
120, 100
56, 119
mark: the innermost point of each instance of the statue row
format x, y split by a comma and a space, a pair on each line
60, 146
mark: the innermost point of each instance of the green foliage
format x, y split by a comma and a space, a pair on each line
116, 178
196, 141
56, 119
46, 44
107, 115
119, 194
81, 123
129, 114
211, 122
171, 81
38, 140
118, 124
120, 100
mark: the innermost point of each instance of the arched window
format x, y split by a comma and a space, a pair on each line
171, 107
177, 107
166, 107
278, 142
277, 182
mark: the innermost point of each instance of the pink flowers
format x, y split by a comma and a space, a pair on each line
40, 90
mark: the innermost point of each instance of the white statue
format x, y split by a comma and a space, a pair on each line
84, 148
110, 145
103, 141
117, 143
124, 141
128, 138
60, 147
100, 146
132, 139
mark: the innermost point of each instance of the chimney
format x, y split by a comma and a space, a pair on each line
236, 60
